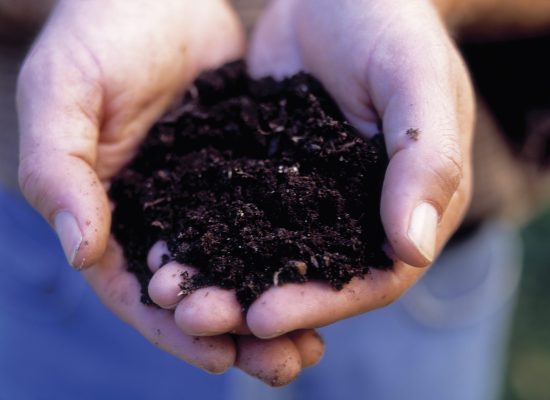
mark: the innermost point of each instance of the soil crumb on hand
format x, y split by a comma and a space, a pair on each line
413, 133
254, 183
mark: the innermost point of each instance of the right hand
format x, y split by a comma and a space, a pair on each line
99, 75
389, 63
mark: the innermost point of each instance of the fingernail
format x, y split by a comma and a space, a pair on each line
271, 335
69, 234
423, 228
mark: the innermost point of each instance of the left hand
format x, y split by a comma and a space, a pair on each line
394, 62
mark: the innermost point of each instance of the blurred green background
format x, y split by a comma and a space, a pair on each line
528, 370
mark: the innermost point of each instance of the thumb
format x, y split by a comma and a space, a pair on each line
427, 127
58, 120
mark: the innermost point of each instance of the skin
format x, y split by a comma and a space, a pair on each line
391, 61
378, 73
373, 58
90, 88
87, 96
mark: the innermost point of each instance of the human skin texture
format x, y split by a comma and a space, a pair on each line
99, 76
94, 82
390, 63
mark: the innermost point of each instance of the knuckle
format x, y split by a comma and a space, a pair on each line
28, 178
448, 167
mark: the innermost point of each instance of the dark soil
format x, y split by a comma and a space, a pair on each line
255, 183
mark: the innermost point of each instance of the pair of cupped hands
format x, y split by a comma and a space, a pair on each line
101, 73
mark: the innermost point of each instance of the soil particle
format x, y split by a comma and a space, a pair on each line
254, 183
413, 133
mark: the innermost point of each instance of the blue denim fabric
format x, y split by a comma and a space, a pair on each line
58, 342
444, 339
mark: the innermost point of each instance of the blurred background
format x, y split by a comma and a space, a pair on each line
528, 369
528, 364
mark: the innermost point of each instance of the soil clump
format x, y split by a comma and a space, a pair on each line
255, 183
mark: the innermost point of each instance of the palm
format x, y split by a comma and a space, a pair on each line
98, 77
391, 63
128, 90
88, 93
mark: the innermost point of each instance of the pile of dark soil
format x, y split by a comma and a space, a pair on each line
255, 183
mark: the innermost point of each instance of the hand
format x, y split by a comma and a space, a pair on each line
383, 61
212, 311
95, 81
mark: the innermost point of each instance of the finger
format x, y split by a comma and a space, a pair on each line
158, 256
164, 287
210, 311
272, 49
296, 306
119, 291
415, 195
310, 345
57, 154
274, 361
428, 135
205, 312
